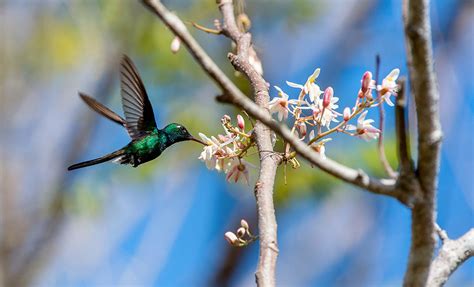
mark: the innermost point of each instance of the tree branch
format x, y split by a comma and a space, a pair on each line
232, 95
426, 94
267, 225
451, 255
269, 161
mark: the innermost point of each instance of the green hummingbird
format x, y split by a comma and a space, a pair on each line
148, 141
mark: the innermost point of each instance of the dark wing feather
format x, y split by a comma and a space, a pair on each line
101, 109
136, 105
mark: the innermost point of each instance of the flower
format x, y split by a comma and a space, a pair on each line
327, 108
389, 86
320, 148
213, 153
309, 87
366, 86
238, 170
364, 129
280, 104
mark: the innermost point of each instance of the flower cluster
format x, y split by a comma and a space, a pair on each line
242, 237
315, 116
225, 152
316, 110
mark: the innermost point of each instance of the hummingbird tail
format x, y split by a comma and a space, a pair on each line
102, 159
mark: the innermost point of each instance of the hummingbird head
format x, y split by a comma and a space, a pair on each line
178, 133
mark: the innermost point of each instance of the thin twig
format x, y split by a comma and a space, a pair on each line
380, 146
403, 140
205, 29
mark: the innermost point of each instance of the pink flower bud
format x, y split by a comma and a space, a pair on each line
175, 45
347, 114
366, 79
240, 122
231, 238
328, 93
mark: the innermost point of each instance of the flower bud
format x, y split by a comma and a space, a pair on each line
241, 232
175, 45
225, 119
302, 129
231, 238
365, 83
244, 224
347, 114
240, 122
328, 93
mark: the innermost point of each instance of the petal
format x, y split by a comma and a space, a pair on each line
294, 85
351, 128
387, 99
394, 74
360, 120
314, 75
278, 89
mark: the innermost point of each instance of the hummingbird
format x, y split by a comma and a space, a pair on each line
148, 141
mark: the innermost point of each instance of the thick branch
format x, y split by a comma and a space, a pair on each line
426, 94
269, 162
452, 254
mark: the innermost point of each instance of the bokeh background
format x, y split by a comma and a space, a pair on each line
162, 224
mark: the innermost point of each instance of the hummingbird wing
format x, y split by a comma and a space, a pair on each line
136, 105
102, 110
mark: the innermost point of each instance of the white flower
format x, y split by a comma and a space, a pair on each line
320, 147
389, 86
309, 87
314, 92
364, 129
238, 170
212, 153
280, 104
329, 113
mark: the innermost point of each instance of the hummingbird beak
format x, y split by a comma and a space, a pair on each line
196, 140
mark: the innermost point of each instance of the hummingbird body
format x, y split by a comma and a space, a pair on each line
148, 142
